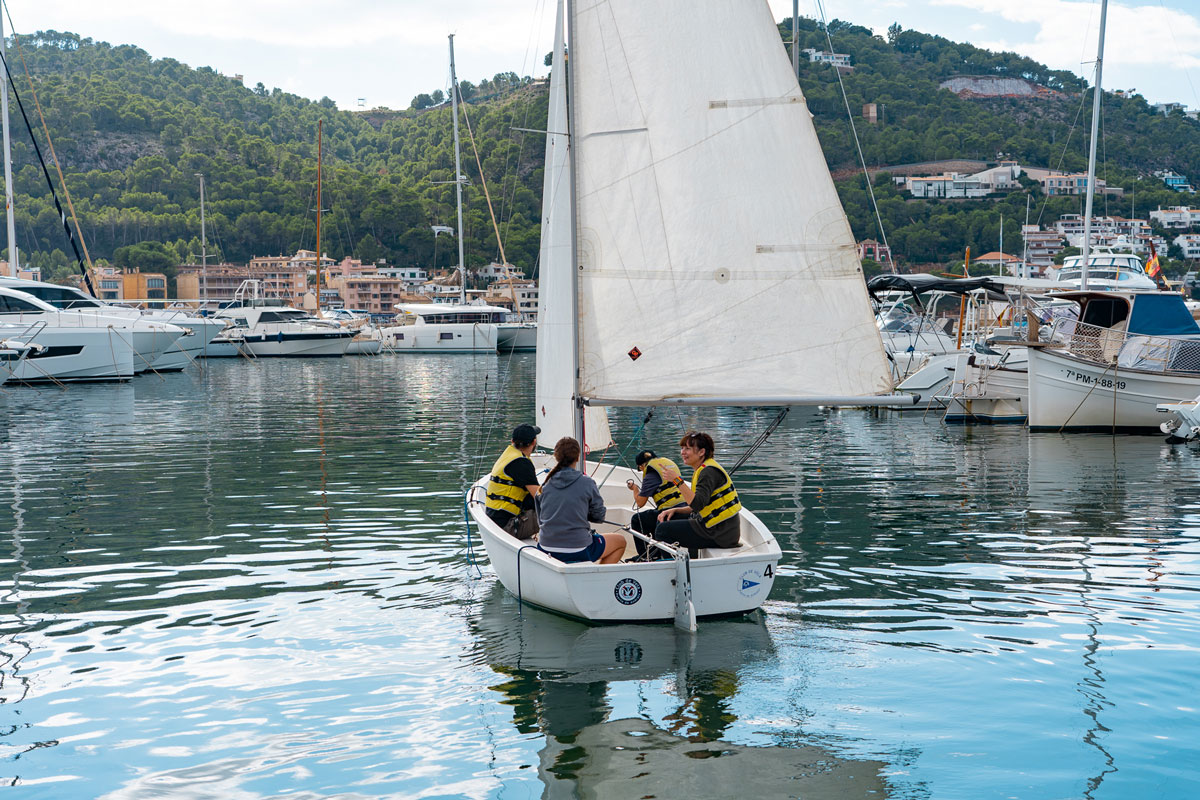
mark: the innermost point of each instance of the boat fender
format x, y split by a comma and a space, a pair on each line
279, 337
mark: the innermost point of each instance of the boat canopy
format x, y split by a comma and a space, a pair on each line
922, 283
1161, 315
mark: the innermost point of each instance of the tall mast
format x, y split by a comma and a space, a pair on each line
795, 35
1091, 176
458, 178
579, 429
13, 261
203, 248
319, 217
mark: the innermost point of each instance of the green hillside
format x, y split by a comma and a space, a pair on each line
132, 132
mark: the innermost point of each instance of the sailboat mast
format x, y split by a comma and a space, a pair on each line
1091, 175
458, 177
571, 94
319, 216
203, 248
13, 261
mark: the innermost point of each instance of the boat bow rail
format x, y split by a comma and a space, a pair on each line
1124, 350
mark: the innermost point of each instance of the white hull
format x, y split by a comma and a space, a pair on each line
296, 346
190, 346
724, 581
517, 337
364, 346
448, 337
991, 395
72, 354
1073, 394
221, 348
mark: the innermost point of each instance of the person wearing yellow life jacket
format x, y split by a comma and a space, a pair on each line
652, 488
711, 504
513, 484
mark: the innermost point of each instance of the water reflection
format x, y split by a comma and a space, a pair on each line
558, 675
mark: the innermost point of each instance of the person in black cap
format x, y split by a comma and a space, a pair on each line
664, 494
513, 484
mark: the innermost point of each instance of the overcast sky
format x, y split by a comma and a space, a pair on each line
387, 51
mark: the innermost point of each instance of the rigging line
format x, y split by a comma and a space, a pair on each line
854, 130
1063, 155
87, 278
621, 460
1179, 51
49, 142
762, 438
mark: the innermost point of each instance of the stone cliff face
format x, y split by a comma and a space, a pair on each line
983, 86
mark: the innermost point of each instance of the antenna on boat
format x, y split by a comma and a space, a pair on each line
203, 249
1091, 173
13, 266
319, 123
458, 178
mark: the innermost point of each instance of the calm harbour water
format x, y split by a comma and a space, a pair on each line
255, 582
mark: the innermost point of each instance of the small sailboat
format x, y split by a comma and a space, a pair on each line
694, 252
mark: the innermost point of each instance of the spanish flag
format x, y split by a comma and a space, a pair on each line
1152, 266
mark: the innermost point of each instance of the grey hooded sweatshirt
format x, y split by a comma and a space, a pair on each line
568, 502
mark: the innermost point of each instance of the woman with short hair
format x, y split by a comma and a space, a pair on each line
713, 509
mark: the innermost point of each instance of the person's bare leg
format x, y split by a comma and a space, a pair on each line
614, 548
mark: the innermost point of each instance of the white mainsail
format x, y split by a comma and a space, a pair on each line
555, 382
717, 261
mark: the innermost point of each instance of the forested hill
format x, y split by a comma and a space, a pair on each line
132, 132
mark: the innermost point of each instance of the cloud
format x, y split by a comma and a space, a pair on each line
1066, 30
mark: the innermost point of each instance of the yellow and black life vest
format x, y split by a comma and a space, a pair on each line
668, 495
503, 493
724, 502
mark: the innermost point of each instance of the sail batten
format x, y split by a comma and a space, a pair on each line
715, 259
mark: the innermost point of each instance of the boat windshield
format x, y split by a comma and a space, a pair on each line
62, 297
463, 317
284, 315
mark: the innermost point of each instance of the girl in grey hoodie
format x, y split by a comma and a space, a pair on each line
568, 502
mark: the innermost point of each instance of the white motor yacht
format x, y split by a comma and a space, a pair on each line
1107, 270
200, 331
445, 328
72, 346
279, 331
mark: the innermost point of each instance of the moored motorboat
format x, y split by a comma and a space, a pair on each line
1128, 353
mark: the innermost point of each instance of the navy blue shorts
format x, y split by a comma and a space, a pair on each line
590, 553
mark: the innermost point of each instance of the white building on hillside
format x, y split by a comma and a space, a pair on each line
1189, 243
823, 57
1176, 217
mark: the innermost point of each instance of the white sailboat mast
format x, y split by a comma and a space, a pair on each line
578, 414
1091, 175
203, 248
13, 260
458, 177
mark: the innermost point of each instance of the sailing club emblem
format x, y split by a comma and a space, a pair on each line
627, 591
635, 354
751, 582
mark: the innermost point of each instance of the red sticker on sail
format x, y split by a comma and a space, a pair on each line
635, 354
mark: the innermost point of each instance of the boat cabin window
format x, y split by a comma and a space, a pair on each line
1104, 312
446, 335
282, 316
15, 305
462, 316
62, 297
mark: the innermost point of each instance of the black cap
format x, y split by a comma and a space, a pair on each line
525, 434
643, 458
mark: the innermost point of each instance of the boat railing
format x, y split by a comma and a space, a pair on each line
1116, 346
